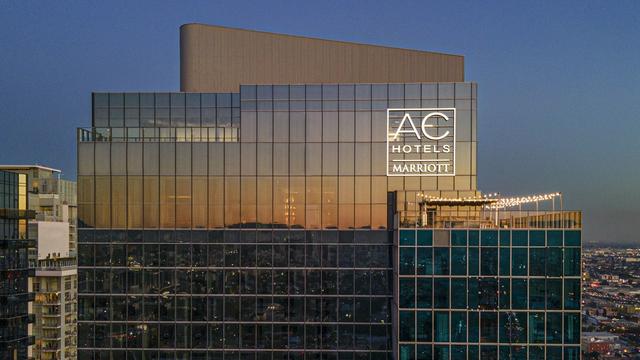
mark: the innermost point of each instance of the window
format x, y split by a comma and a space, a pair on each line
572, 261
407, 325
407, 261
458, 261
424, 261
424, 323
441, 326
458, 326
489, 261
441, 295
489, 327
537, 293
407, 292
571, 328
441, 261
424, 292
488, 293
519, 298
537, 261
572, 294
536, 327
459, 293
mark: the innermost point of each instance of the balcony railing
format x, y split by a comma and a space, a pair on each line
490, 219
159, 134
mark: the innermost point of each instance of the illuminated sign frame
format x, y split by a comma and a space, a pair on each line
431, 111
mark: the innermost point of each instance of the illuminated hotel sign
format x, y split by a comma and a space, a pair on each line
421, 142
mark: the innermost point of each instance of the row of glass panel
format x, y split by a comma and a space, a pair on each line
195, 158
231, 236
490, 327
351, 105
166, 117
263, 127
235, 336
337, 126
493, 352
15, 282
459, 90
363, 125
13, 199
284, 92
488, 293
133, 354
246, 255
165, 99
234, 281
490, 237
359, 309
134, 191
16, 258
8, 190
489, 261
201, 202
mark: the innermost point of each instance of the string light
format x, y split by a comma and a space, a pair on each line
492, 200
481, 197
517, 201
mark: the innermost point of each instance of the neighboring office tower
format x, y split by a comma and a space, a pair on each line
55, 286
16, 273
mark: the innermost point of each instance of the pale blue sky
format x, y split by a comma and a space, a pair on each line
558, 81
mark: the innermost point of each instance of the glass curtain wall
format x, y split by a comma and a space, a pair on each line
15, 269
246, 225
489, 294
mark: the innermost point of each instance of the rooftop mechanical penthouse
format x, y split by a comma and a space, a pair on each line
310, 199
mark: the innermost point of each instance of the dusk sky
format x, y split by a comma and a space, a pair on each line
559, 82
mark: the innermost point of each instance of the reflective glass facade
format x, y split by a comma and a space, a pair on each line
488, 294
15, 271
248, 225
263, 225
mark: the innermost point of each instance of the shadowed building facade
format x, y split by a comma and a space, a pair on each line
243, 221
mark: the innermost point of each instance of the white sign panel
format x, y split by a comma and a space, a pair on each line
421, 142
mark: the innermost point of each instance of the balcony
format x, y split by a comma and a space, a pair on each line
51, 327
57, 264
50, 338
51, 311
49, 348
46, 299
51, 324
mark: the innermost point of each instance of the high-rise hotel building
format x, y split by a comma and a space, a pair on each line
310, 199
